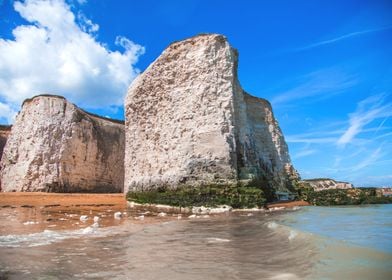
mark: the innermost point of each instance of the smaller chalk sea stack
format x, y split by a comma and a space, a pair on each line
54, 146
189, 123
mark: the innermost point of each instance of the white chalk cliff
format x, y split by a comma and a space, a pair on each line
55, 146
189, 122
327, 184
4, 133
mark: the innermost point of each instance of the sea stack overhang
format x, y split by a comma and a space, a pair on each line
54, 146
189, 123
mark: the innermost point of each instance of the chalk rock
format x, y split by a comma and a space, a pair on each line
221, 209
326, 184
189, 122
83, 218
56, 147
5, 130
117, 215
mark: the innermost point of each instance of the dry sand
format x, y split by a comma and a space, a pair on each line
35, 199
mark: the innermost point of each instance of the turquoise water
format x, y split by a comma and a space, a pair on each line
367, 226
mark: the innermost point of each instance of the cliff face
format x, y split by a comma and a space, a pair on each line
54, 146
4, 133
327, 184
188, 121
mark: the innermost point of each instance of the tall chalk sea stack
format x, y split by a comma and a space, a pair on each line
189, 122
56, 147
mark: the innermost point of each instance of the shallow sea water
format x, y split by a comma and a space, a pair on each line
309, 243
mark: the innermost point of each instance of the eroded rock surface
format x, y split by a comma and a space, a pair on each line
189, 122
327, 184
56, 147
5, 130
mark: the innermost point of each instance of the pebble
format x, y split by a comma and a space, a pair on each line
83, 218
117, 215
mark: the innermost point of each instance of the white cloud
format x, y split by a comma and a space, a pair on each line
304, 153
343, 37
369, 160
315, 86
308, 140
367, 111
59, 53
86, 24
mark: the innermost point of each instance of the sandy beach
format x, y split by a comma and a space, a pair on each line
50, 200
22, 213
288, 204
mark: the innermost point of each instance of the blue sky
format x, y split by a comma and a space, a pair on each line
326, 66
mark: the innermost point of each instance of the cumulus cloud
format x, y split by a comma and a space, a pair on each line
57, 52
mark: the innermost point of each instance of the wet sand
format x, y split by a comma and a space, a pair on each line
22, 213
288, 204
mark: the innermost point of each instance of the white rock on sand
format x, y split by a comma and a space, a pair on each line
221, 209
162, 214
117, 215
83, 218
201, 210
276, 208
30, 223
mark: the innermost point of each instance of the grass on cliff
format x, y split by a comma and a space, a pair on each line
237, 196
355, 196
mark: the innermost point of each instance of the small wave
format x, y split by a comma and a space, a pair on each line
217, 240
284, 230
45, 237
292, 234
272, 225
285, 276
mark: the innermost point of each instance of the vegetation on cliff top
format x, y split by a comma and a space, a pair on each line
355, 196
